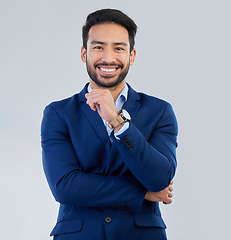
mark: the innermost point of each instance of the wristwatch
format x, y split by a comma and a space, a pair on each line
123, 117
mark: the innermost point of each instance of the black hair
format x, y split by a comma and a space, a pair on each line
109, 16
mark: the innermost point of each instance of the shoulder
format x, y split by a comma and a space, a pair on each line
64, 104
150, 104
154, 104
159, 109
145, 98
69, 103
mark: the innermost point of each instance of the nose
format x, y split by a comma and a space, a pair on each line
109, 56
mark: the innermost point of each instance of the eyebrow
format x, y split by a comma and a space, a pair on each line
103, 43
97, 42
120, 43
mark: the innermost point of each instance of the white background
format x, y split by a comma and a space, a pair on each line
183, 56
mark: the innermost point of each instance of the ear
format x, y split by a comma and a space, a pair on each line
132, 57
83, 54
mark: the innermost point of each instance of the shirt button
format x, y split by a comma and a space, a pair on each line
107, 219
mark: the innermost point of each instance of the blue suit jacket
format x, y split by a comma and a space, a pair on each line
101, 185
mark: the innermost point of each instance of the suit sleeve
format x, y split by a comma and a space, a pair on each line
70, 185
152, 161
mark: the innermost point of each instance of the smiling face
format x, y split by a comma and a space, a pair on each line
108, 55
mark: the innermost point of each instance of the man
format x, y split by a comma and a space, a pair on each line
109, 152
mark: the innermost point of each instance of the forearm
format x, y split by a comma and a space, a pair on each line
152, 161
149, 166
88, 190
70, 184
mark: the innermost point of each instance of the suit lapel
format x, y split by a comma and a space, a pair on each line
132, 105
94, 119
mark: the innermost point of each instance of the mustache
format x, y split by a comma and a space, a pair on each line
108, 64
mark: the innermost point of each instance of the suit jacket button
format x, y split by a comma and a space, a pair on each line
108, 219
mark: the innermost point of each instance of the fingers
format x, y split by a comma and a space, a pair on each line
91, 102
169, 201
98, 97
170, 195
99, 94
170, 187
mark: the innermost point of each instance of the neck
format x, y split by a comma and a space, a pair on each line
115, 91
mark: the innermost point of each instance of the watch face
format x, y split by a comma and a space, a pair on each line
125, 115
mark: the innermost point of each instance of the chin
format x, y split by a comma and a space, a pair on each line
108, 83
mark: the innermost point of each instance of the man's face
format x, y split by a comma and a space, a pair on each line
108, 55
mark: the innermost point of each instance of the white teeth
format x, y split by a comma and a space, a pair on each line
108, 69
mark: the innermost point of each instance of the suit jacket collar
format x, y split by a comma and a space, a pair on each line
132, 104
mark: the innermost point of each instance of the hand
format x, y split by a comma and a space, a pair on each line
102, 101
162, 196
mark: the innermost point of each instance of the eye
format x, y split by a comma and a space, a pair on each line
119, 49
97, 47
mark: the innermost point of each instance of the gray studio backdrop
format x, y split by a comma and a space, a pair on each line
183, 56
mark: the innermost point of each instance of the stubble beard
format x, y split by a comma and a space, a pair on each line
93, 75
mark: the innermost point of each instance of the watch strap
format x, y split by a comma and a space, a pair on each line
116, 122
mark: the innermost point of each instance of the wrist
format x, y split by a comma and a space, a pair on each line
123, 116
116, 129
114, 116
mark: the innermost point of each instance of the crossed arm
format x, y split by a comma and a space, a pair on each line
70, 185
101, 100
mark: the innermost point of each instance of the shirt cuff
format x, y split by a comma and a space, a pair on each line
123, 129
